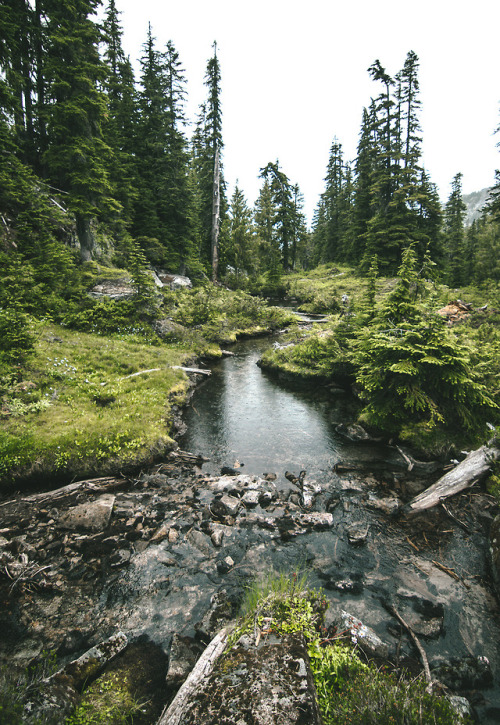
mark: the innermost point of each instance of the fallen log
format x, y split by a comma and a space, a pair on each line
92, 485
195, 371
174, 713
470, 470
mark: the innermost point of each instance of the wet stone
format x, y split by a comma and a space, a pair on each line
91, 516
200, 541
216, 537
466, 673
184, 653
357, 534
225, 506
495, 552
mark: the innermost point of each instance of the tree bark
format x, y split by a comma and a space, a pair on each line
215, 217
476, 465
85, 236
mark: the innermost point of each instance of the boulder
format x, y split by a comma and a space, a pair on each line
263, 684
90, 516
174, 281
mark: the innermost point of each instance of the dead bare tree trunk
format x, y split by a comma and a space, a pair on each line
472, 468
215, 217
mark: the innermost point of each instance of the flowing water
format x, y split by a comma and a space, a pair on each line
242, 417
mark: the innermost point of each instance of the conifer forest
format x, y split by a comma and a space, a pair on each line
100, 171
333, 493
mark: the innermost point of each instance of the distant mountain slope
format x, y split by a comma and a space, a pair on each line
474, 203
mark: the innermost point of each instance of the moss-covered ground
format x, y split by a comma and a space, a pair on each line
97, 392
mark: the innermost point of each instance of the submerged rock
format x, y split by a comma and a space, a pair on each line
495, 552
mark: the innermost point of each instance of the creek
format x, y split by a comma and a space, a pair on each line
168, 554
241, 417
434, 570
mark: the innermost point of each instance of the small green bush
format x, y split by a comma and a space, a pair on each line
17, 338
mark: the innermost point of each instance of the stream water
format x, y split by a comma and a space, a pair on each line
240, 416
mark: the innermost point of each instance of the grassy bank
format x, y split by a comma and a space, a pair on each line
95, 395
434, 385
78, 411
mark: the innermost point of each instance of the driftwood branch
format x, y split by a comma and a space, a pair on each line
141, 372
425, 662
108, 483
196, 371
470, 470
174, 714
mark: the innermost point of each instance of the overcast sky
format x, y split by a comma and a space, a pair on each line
294, 76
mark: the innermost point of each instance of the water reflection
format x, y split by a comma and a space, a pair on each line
239, 414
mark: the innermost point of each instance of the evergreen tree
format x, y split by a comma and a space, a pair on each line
414, 373
364, 170
208, 147
120, 129
454, 234
284, 216
300, 235
241, 253
264, 217
77, 157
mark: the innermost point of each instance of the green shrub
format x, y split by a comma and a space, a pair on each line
17, 338
352, 692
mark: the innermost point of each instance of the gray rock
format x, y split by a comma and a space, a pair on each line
184, 652
357, 534
495, 552
225, 506
91, 516
461, 706
364, 636
201, 541
266, 685
217, 536
251, 498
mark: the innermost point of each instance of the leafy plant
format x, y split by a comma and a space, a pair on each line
107, 701
352, 692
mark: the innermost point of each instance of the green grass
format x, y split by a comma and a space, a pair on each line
77, 411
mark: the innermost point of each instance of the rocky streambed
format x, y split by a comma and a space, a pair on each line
164, 559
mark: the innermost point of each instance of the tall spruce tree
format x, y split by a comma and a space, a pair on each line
77, 157
284, 216
241, 253
454, 234
264, 218
120, 129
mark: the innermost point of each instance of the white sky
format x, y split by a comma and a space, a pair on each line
294, 76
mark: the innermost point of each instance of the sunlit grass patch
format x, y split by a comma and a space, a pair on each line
90, 417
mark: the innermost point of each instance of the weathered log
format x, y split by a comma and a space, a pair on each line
174, 713
93, 485
196, 371
188, 457
141, 372
59, 692
470, 470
